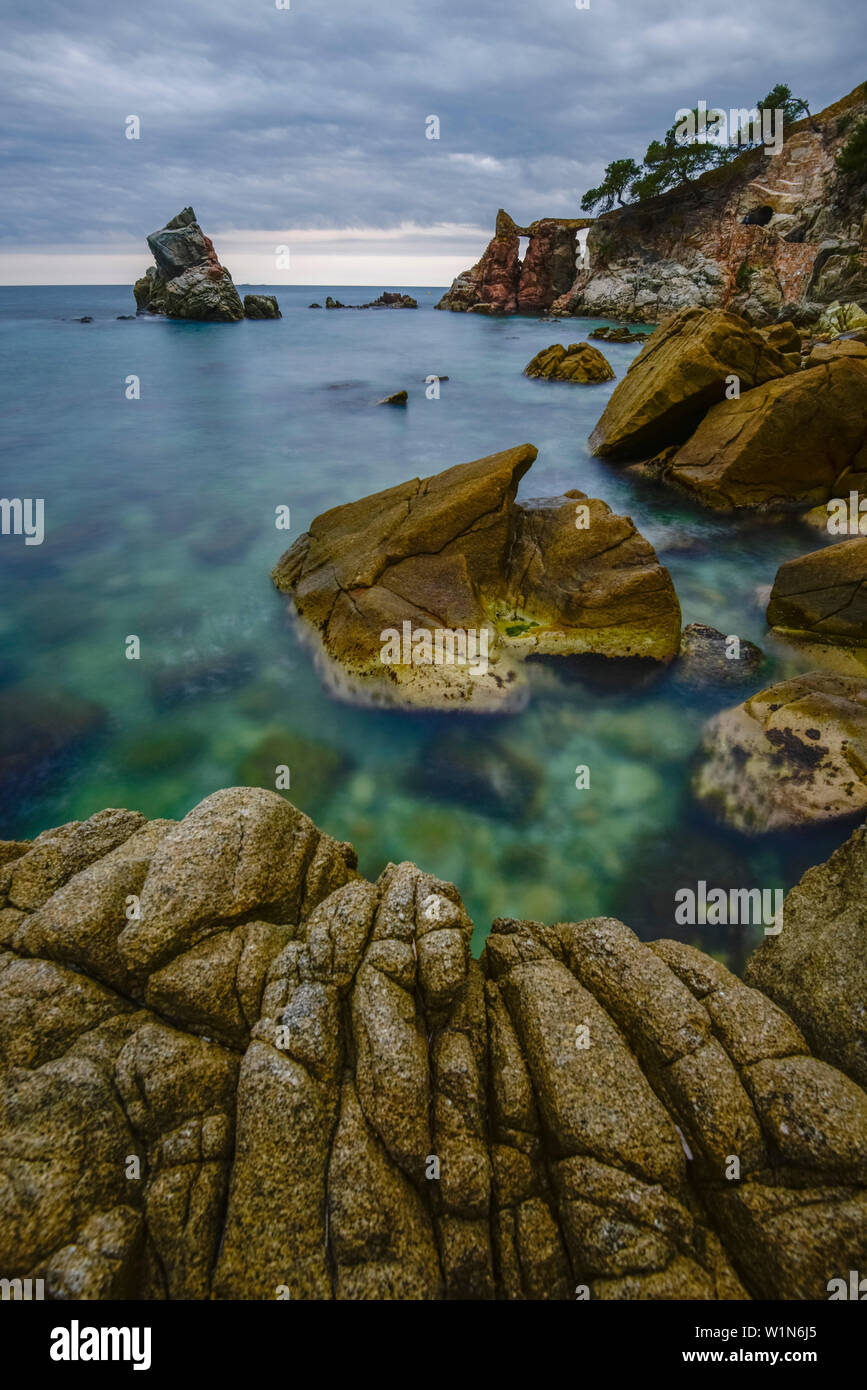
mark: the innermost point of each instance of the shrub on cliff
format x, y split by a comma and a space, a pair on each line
852, 159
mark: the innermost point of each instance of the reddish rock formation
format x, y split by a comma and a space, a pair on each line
548, 268
694, 247
500, 283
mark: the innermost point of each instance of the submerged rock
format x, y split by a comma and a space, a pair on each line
709, 657
454, 560
678, 376
577, 362
821, 595
399, 398
200, 676
485, 774
794, 754
314, 771
37, 730
328, 1095
619, 333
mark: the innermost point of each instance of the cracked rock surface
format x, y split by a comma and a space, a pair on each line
456, 552
280, 1076
823, 594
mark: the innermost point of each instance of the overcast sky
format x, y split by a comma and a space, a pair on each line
306, 126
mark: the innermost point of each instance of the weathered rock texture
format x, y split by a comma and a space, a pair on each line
816, 969
577, 362
327, 1095
455, 552
261, 306
783, 445
188, 281
822, 595
693, 246
678, 376
501, 283
725, 412
792, 755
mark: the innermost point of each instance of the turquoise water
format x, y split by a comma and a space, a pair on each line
159, 518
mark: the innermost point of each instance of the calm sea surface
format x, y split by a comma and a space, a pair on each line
160, 523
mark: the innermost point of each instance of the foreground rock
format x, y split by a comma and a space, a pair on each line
821, 595
188, 281
392, 584
328, 1096
781, 445
792, 755
678, 376
577, 362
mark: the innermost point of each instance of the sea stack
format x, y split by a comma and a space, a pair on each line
188, 281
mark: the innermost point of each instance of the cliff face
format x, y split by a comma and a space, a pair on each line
802, 247
279, 1079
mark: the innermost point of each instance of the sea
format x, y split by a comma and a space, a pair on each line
163, 450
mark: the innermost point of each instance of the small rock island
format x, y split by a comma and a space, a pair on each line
188, 281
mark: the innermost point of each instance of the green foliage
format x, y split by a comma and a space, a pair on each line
678, 160
744, 275
618, 176
852, 159
780, 98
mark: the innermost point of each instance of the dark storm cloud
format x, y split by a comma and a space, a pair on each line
315, 116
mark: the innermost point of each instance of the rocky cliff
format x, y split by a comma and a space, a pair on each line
772, 237
233, 1068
